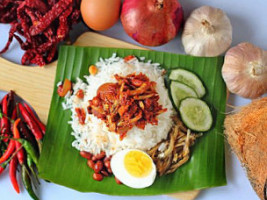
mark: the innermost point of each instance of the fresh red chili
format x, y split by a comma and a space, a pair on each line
10, 104
0, 118
26, 134
20, 154
2, 169
13, 117
5, 126
4, 165
1, 102
31, 123
10, 149
4, 104
14, 114
13, 172
30, 111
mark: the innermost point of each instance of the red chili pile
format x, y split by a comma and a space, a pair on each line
21, 134
43, 23
132, 101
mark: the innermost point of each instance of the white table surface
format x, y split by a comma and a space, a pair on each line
249, 21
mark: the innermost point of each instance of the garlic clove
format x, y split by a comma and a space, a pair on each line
245, 70
207, 32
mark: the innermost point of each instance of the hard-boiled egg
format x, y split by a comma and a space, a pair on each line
133, 168
100, 14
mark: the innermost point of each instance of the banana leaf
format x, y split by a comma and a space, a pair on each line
61, 163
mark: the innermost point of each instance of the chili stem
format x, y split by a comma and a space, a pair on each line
27, 146
3, 165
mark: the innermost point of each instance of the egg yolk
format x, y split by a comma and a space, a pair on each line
137, 163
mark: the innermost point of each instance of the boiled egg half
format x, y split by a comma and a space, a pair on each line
133, 168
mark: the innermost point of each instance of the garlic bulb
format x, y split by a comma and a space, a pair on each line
207, 32
245, 70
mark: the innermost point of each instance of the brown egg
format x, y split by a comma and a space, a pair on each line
100, 14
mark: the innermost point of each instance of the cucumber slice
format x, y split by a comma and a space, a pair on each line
196, 114
180, 91
189, 79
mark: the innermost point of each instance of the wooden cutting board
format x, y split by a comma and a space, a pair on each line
35, 84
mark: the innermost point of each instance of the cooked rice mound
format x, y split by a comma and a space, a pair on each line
94, 136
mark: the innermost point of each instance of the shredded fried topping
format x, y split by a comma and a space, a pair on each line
132, 101
176, 152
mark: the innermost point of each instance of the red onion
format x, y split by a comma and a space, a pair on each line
151, 22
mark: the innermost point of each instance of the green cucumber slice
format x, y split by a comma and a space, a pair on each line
196, 114
180, 91
189, 79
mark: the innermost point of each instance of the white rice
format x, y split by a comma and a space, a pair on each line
94, 136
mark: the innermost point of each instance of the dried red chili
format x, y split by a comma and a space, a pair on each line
49, 17
37, 5
8, 11
43, 23
10, 38
52, 53
63, 28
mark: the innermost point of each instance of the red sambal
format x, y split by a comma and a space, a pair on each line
131, 101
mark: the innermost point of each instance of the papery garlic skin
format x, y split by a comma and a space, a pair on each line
245, 70
207, 32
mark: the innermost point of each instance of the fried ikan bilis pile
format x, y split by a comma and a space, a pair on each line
170, 154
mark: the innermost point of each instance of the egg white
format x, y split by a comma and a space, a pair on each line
119, 171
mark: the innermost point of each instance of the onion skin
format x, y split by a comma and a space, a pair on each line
151, 22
